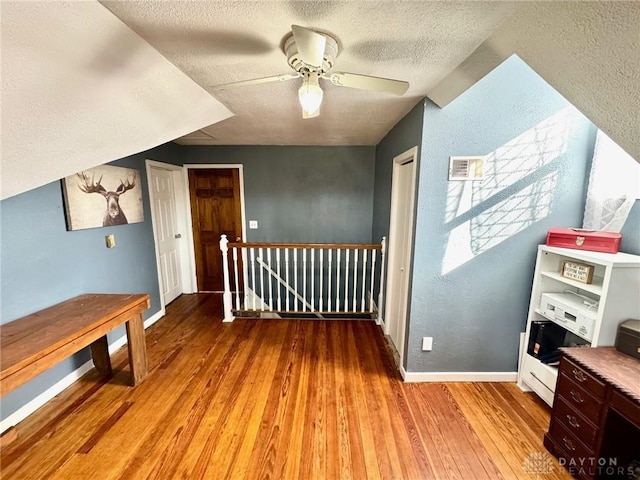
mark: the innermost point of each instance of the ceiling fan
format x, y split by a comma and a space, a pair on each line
311, 55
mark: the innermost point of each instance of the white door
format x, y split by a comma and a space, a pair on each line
400, 245
166, 232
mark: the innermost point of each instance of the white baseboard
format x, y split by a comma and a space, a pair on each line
33, 405
410, 377
153, 319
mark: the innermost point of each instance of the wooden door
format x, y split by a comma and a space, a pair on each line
215, 210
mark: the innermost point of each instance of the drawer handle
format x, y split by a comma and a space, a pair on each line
576, 396
579, 375
569, 444
573, 421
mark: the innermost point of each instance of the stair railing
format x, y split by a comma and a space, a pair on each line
313, 278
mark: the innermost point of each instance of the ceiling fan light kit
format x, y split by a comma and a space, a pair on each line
311, 55
310, 95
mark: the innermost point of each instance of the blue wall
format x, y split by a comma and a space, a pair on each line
475, 242
44, 264
298, 194
631, 231
474, 310
301, 194
406, 134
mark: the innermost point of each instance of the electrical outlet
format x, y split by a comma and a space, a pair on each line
427, 344
110, 240
253, 224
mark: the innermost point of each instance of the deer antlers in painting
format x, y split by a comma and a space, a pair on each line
114, 214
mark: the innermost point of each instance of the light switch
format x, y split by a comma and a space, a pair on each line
110, 240
253, 224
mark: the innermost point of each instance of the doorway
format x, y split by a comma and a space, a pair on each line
400, 247
168, 218
215, 194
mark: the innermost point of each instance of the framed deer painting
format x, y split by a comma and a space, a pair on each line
103, 196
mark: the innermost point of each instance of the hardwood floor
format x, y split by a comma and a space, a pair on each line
277, 399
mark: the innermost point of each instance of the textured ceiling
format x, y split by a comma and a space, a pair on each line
597, 67
219, 42
80, 88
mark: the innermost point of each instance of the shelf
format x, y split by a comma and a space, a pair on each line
563, 325
615, 295
595, 287
620, 260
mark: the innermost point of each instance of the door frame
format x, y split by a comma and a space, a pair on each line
181, 220
192, 251
410, 156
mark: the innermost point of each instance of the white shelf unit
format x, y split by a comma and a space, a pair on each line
616, 285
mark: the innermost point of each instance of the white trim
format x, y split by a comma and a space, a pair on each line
30, 407
152, 319
410, 156
33, 405
411, 377
192, 252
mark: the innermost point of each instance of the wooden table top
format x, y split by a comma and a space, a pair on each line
607, 363
34, 336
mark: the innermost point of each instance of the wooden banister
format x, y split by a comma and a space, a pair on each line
343, 246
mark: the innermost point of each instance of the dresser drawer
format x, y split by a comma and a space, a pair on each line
575, 423
579, 399
582, 377
576, 468
569, 443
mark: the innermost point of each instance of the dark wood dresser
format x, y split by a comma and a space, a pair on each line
595, 424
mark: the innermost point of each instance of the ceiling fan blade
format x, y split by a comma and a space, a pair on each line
310, 45
365, 82
257, 81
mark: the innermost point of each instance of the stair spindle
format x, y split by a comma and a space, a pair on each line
235, 275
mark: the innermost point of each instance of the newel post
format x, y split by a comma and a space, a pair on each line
380, 290
226, 296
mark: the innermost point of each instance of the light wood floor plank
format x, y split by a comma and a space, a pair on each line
276, 399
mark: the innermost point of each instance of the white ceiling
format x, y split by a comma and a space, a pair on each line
588, 51
80, 88
218, 42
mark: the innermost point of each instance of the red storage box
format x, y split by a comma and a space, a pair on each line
595, 241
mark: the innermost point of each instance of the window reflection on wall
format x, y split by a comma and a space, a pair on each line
517, 191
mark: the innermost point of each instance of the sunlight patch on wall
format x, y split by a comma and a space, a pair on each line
517, 191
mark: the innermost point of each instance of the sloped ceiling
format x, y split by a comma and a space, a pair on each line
218, 42
588, 51
84, 84
80, 88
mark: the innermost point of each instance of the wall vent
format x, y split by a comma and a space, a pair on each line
466, 168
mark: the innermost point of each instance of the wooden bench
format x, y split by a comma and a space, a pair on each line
33, 344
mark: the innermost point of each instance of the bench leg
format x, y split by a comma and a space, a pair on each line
137, 349
100, 354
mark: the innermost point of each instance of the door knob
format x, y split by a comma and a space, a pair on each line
238, 239
178, 235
